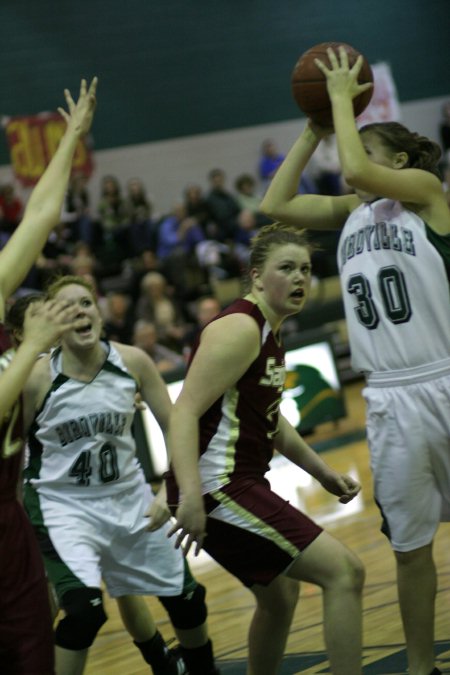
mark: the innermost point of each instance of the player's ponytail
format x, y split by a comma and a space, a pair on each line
422, 152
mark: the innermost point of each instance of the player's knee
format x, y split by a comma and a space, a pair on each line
286, 600
85, 616
280, 598
188, 610
352, 574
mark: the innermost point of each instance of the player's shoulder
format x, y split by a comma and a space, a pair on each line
127, 351
241, 321
135, 359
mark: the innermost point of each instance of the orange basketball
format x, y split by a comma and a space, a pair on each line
309, 84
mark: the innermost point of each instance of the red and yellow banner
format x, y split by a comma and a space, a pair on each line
32, 142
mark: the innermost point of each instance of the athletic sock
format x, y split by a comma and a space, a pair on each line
159, 656
200, 660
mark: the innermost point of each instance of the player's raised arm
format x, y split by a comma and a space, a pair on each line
43, 209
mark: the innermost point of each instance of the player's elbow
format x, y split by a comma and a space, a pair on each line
267, 207
355, 171
271, 209
351, 176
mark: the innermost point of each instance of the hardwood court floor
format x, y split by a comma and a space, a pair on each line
357, 525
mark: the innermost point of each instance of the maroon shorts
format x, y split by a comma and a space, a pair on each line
26, 633
254, 533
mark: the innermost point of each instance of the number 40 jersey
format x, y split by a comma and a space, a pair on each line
395, 283
81, 441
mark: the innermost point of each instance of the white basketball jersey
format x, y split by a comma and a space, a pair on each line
81, 441
395, 284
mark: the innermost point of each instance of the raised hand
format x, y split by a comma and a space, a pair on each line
341, 79
45, 322
80, 114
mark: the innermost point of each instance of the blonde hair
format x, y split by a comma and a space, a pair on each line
272, 236
57, 284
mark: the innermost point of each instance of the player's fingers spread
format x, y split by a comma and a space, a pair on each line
186, 547
357, 65
69, 100
333, 58
321, 66
83, 87
63, 113
173, 529
343, 56
366, 86
64, 309
93, 88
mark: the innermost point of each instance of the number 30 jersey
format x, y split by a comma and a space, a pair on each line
81, 441
395, 282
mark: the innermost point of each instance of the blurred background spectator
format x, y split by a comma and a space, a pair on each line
11, 210
145, 337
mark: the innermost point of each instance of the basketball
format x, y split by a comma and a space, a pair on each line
309, 84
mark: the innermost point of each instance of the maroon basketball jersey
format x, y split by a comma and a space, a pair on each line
26, 633
237, 431
11, 439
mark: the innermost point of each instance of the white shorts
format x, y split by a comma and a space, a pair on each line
408, 431
105, 538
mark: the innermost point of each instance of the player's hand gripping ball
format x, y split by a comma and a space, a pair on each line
309, 84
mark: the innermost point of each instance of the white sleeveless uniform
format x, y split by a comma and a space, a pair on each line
91, 488
395, 284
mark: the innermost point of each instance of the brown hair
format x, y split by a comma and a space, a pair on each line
422, 152
16, 314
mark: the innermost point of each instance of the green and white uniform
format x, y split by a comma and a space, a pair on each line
85, 490
395, 282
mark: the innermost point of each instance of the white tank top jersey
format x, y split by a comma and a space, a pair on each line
81, 441
395, 283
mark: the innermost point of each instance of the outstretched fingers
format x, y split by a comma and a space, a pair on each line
79, 114
185, 539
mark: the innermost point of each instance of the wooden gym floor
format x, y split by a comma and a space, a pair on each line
357, 524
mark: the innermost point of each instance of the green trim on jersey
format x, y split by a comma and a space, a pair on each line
59, 574
112, 368
441, 243
189, 582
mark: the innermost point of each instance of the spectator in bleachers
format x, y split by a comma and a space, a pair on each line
178, 233
11, 210
269, 162
118, 324
197, 207
178, 239
205, 309
76, 210
248, 198
112, 218
156, 304
83, 260
223, 207
325, 168
145, 337
138, 213
444, 127
246, 195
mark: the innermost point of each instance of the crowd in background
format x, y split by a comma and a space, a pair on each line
156, 274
